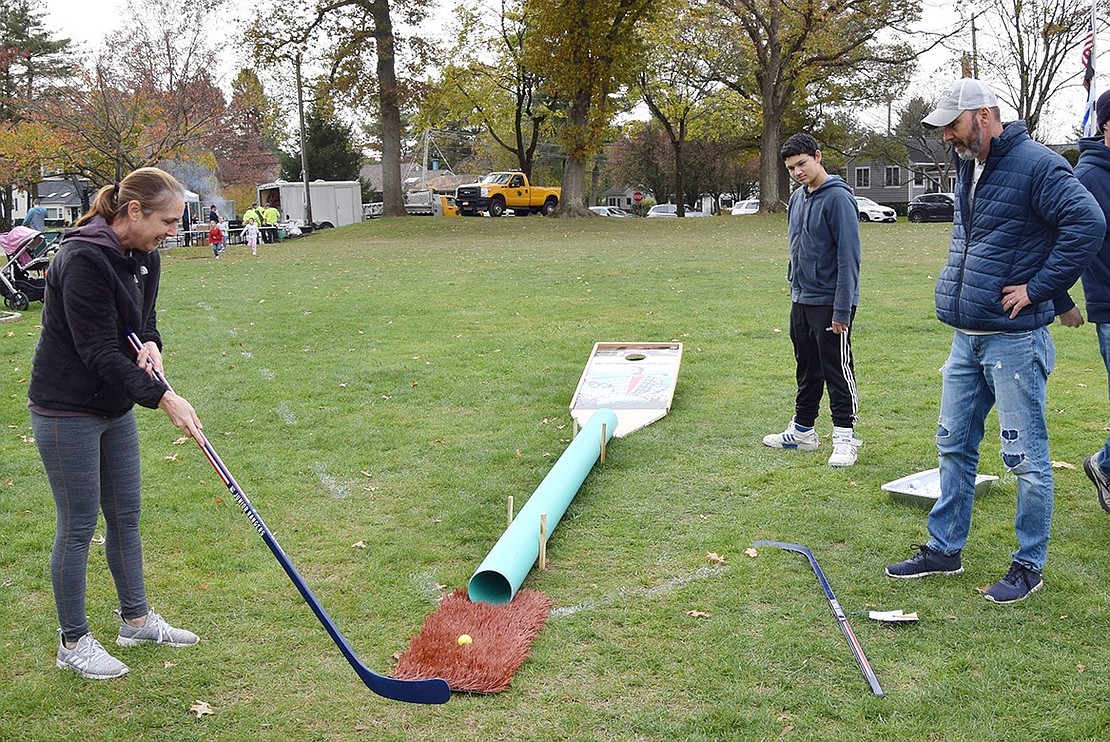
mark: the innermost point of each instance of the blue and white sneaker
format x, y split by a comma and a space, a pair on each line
794, 437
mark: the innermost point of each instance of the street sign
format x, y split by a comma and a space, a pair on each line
637, 196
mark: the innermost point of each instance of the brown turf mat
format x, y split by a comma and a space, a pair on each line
502, 637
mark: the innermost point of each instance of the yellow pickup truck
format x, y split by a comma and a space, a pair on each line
500, 191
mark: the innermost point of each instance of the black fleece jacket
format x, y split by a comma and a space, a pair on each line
94, 295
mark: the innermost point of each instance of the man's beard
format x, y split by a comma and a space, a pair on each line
969, 148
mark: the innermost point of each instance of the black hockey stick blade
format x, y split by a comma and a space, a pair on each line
834, 604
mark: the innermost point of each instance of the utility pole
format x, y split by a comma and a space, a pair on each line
974, 49
304, 154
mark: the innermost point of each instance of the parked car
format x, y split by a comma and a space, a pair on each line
869, 211
743, 208
613, 211
932, 207
670, 211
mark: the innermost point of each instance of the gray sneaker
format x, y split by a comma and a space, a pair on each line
154, 631
1102, 485
89, 659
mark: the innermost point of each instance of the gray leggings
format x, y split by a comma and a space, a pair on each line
92, 464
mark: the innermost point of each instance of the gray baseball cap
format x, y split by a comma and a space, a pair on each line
966, 94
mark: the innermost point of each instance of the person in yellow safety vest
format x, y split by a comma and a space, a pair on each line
270, 217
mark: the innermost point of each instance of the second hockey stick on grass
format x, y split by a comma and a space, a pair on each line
849, 635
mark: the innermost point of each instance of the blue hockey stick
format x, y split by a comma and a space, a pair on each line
431, 690
849, 635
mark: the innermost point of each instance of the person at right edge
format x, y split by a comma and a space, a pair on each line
1023, 232
1093, 172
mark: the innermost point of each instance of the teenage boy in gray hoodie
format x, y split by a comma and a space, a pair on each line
823, 229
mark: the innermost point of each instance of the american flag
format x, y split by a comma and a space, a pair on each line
1088, 63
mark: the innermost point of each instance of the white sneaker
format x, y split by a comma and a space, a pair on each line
154, 631
845, 444
793, 438
89, 659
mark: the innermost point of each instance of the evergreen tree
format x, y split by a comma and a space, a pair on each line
29, 60
332, 152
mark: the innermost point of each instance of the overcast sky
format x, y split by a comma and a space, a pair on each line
88, 21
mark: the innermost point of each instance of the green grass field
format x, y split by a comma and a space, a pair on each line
391, 383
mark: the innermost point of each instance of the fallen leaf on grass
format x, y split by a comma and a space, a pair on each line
1081, 667
8, 483
1062, 465
358, 545
182, 440
751, 552
697, 614
715, 558
786, 730
98, 540
166, 664
171, 457
201, 708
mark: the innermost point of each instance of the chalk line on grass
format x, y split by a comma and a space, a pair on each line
331, 484
629, 593
286, 414
429, 586
267, 374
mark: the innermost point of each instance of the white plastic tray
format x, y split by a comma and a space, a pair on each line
923, 488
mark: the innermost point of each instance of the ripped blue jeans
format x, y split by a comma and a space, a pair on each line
1008, 371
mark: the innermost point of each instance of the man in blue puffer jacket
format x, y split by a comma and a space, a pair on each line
1093, 172
1024, 230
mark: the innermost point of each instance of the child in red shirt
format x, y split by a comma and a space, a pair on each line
215, 239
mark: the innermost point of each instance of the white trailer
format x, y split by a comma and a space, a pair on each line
335, 203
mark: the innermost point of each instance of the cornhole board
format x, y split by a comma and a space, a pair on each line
634, 380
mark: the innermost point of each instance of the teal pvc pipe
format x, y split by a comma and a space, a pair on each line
510, 560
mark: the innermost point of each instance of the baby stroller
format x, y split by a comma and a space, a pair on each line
22, 279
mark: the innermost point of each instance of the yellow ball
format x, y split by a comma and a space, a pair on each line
465, 639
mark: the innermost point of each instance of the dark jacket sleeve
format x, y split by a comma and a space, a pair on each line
92, 312
1062, 201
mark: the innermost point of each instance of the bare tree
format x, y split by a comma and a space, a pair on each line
675, 85
488, 84
344, 31
1033, 56
146, 96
